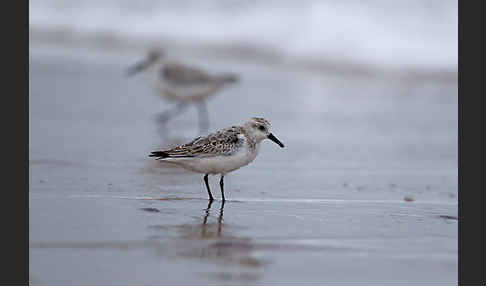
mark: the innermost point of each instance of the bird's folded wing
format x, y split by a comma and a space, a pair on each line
180, 74
221, 143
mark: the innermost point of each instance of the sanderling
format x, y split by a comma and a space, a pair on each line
221, 152
182, 84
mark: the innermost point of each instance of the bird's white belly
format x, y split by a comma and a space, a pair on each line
184, 92
219, 164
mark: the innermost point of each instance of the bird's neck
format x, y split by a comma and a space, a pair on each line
253, 143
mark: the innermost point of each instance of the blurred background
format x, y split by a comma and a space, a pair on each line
362, 94
376, 34
381, 34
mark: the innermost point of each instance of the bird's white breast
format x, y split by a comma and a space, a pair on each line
224, 163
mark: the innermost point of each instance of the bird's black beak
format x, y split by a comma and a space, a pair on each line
136, 68
274, 139
230, 78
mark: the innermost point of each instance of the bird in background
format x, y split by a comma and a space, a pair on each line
220, 152
181, 84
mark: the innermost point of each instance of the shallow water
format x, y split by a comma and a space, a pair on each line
328, 208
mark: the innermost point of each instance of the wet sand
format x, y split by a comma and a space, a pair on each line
365, 191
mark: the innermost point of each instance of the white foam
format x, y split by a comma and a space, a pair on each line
391, 33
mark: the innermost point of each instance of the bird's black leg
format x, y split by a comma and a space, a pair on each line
221, 184
165, 116
203, 116
207, 186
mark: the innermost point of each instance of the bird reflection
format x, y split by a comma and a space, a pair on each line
204, 225
206, 240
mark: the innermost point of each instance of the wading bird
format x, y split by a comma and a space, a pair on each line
181, 84
221, 152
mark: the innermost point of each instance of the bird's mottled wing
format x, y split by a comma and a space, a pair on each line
223, 142
179, 74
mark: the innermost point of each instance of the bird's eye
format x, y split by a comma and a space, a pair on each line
261, 128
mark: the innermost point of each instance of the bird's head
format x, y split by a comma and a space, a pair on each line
152, 57
259, 129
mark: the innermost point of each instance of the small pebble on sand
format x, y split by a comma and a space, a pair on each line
408, 199
449, 217
154, 210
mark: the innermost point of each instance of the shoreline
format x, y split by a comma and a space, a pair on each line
111, 42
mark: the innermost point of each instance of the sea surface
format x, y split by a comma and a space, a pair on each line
413, 34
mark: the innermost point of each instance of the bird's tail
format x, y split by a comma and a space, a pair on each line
159, 155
